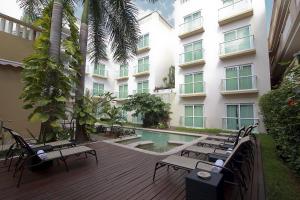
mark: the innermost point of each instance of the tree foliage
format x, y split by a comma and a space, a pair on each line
153, 109
47, 84
281, 111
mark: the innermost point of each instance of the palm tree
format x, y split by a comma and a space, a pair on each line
109, 19
101, 20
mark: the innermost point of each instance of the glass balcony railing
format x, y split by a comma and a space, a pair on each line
193, 121
141, 68
144, 43
192, 88
101, 73
121, 95
237, 45
234, 8
191, 26
239, 83
140, 91
123, 73
235, 123
191, 56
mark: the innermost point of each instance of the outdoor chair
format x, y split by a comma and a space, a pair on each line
30, 158
236, 169
13, 149
229, 143
206, 151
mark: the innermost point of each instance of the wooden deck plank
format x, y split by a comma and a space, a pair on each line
121, 174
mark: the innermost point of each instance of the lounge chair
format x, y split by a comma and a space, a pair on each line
222, 144
30, 158
188, 164
45, 146
216, 150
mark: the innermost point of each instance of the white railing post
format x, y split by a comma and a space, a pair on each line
10, 27
2, 24
24, 32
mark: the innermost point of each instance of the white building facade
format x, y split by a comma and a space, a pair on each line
220, 53
222, 65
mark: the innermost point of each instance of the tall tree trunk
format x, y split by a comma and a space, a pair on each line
81, 134
54, 50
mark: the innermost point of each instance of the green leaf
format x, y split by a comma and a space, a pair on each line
61, 99
39, 117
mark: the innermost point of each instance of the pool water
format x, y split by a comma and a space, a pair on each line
160, 140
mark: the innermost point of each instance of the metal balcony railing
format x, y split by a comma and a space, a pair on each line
187, 27
234, 8
239, 83
191, 56
192, 88
237, 45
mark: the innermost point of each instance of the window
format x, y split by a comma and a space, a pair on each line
123, 70
99, 69
239, 77
193, 116
237, 40
193, 83
193, 51
124, 115
142, 87
143, 64
123, 91
98, 89
138, 119
239, 115
229, 2
192, 17
143, 41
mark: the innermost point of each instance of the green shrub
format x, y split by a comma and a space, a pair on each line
281, 112
152, 109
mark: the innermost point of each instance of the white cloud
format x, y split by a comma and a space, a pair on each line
10, 8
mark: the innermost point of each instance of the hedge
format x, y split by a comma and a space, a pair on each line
281, 112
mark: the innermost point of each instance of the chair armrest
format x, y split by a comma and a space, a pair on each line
211, 164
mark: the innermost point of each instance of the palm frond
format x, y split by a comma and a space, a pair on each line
32, 8
122, 27
97, 40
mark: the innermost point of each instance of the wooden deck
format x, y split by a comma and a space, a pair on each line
121, 174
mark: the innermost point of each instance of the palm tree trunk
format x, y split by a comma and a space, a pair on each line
54, 50
81, 134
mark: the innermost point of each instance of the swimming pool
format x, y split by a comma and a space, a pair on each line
157, 141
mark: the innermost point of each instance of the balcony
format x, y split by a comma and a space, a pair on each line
17, 39
98, 94
143, 47
188, 29
140, 91
191, 58
241, 85
141, 70
235, 11
101, 74
238, 47
195, 89
235, 123
193, 121
121, 96
122, 75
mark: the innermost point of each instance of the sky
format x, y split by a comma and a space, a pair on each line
164, 7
